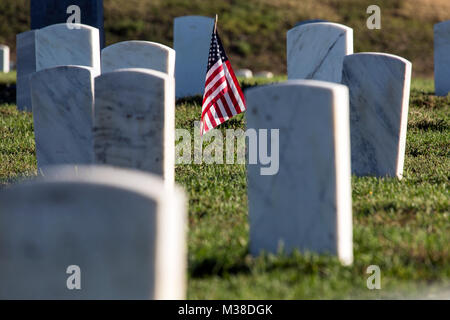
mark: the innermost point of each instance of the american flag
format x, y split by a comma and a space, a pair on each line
223, 98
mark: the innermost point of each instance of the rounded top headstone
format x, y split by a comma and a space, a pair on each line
141, 182
321, 25
138, 54
300, 23
366, 55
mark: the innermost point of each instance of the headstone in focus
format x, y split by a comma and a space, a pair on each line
307, 204
139, 54
317, 50
57, 45
135, 121
379, 87
63, 106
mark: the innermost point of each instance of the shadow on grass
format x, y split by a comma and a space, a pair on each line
8, 93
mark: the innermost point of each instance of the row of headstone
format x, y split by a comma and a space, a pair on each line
379, 87
128, 121
43, 47
316, 50
92, 232
358, 128
4, 58
58, 45
53, 46
124, 137
318, 55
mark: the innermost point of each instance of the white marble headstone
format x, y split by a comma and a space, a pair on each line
135, 121
307, 205
379, 87
244, 73
317, 50
4, 58
192, 38
63, 106
139, 54
26, 66
122, 228
442, 58
57, 45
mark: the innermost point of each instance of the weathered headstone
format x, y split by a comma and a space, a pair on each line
442, 58
4, 58
135, 121
139, 54
192, 38
26, 66
47, 12
57, 45
112, 233
379, 87
63, 106
307, 204
317, 50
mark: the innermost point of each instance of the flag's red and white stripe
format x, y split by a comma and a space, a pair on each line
223, 96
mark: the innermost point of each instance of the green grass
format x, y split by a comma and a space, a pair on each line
402, 226
8, 78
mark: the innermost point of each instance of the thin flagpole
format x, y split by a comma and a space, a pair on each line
215, 23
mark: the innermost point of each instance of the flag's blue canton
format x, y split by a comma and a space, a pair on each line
216, 51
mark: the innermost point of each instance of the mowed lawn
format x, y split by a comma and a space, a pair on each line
401, 226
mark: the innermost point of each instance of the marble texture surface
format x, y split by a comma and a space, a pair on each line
4, 58
139, 54
307, 205
57, 45
26, 66
135, 121
63, 106
47, 12
442, 58
316, 51
379, 87
192, 38
123, 229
